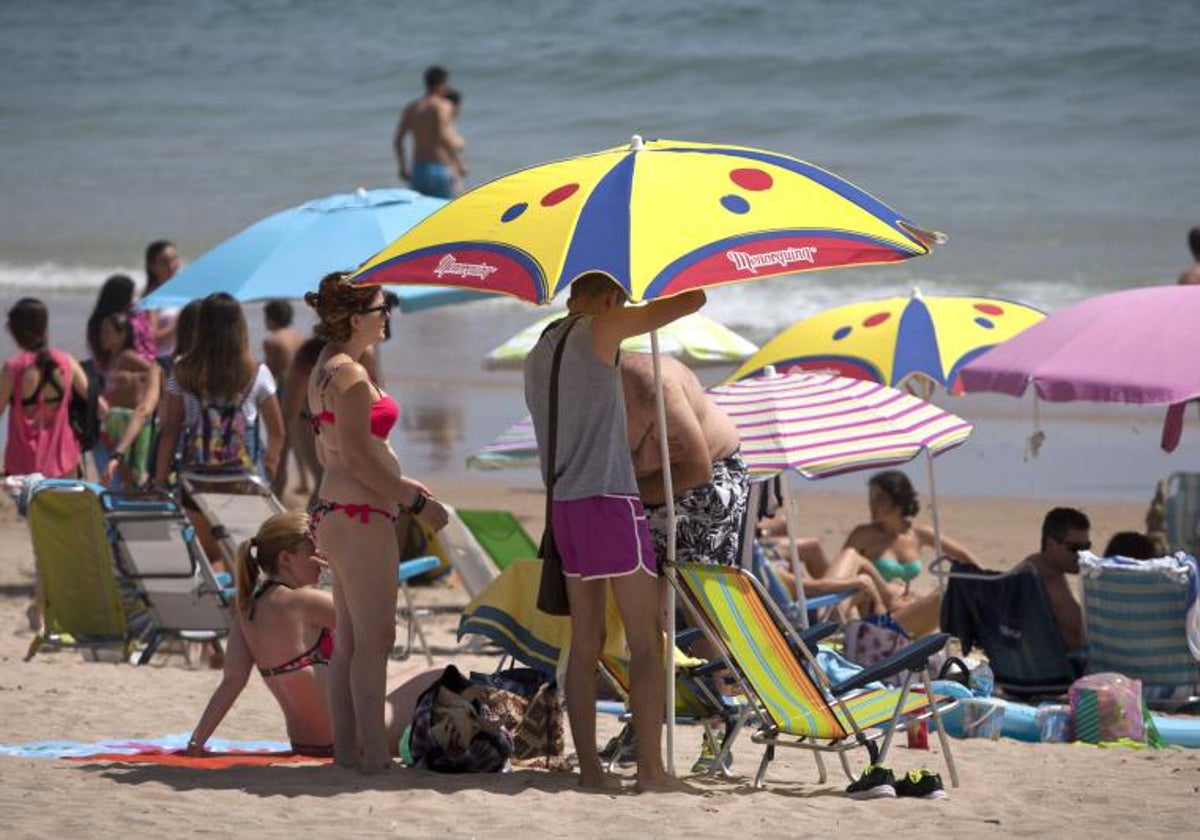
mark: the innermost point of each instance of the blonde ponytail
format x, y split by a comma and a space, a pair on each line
246, 572
259, 555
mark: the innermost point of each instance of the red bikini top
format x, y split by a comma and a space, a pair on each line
384, 411
384, 414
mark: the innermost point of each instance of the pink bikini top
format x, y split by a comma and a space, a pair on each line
384, 414
384, 411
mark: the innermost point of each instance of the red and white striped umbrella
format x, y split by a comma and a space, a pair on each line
814, 423
822, 425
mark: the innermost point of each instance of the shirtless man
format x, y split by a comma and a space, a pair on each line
279, 348
708, 475
1191, 277
436, 160
1064, 535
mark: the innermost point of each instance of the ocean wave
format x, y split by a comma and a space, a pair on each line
49, 276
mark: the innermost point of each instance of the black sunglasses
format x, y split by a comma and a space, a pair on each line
1083, 545
382, 308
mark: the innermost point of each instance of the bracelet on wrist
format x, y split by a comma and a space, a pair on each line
418, 504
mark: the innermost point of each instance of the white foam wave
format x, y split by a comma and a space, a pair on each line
53, 277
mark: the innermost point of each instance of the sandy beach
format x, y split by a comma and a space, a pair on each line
1008, 788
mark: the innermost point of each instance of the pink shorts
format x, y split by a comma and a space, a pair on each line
603, 537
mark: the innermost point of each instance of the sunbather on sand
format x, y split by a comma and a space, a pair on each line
284, 626
888, 548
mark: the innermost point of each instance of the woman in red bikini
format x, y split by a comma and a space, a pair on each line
284, 626
354, 514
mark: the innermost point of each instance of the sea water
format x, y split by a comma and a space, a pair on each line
1054, 142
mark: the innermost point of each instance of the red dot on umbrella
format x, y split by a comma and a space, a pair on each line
559, 194
751, 179
877, 319
989, 309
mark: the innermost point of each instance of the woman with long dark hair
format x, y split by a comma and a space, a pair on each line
162, 263
213, 403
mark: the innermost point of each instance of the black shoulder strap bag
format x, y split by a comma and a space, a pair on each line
552, 591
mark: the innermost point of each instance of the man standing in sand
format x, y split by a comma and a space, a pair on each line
708, 476
437, 164
279, 348
599, 524
1191, 277
1065, 533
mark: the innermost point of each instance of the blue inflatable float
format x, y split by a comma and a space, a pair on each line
1021, 724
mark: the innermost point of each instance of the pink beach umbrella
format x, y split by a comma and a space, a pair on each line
1138, 346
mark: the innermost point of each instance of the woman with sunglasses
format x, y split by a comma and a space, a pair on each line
284, 627
354, 515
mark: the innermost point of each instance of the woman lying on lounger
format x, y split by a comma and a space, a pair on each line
284, 627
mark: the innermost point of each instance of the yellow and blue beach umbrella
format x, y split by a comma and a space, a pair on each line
660, 218
893, 340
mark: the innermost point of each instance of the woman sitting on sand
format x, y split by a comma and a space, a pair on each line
891, 543
284, 627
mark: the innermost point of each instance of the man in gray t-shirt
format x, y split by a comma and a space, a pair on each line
599, 524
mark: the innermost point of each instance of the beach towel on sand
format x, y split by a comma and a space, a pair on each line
165, 745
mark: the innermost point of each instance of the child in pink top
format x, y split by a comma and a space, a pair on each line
38, 383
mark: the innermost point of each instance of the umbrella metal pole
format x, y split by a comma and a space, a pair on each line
924, 390
669, 497
794, 552
933, 509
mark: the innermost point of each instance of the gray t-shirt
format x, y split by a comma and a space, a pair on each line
593, 445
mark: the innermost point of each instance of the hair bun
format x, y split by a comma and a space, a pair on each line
313, 299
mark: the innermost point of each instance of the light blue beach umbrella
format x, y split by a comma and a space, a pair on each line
287, 253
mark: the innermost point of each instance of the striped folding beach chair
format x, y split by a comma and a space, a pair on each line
697, 701
797, 705
1143, 621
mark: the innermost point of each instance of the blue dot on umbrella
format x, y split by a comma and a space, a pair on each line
841, 333
735, 204
986, 323
514, 211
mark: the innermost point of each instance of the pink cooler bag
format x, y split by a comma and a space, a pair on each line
1107, 707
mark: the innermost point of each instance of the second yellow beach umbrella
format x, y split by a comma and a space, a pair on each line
918, 339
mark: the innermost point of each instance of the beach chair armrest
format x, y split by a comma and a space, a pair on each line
819, 632
912, 658
685, 637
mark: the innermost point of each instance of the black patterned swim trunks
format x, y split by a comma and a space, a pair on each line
708, 518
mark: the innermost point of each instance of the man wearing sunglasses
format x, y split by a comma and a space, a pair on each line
1065, 533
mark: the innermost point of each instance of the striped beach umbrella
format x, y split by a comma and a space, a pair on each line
696, 340
814, 423
821, 425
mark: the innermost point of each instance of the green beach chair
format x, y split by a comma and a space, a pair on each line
82, 603
796, 704
499, 534
1139, 615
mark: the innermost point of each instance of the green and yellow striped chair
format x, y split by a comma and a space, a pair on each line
797, 705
